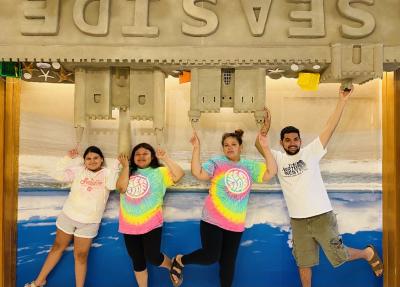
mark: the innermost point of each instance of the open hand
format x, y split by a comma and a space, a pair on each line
73, 153
161, 153
123, 160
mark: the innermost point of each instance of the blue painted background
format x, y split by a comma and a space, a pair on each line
264, 257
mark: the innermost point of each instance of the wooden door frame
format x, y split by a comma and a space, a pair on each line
9, 152
2, 229
390, 177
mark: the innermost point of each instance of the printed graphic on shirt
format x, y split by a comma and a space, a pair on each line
226, 204
88, 196
294, 169
90, 184
237, 181
141, 204
138, 186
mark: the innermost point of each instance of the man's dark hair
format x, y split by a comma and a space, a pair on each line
289, 130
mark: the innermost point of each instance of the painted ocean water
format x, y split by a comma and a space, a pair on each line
264, 257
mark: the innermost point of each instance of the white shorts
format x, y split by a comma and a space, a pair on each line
78, 229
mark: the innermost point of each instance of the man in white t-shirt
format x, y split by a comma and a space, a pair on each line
312, 220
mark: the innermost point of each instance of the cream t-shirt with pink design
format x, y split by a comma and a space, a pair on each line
89, 190
141, 205
226, 204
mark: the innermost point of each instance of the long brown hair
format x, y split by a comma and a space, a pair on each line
154, 163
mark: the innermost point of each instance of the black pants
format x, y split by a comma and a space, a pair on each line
218, 245
144, 246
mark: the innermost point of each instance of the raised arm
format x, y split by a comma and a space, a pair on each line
264, 149
197, 170
123, 179
67, 168
175, 170
272, 168
334, 119
264, 130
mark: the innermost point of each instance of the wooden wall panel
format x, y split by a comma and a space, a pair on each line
9, 148
390, 177
2, 118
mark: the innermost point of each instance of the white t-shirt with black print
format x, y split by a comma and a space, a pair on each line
301, 181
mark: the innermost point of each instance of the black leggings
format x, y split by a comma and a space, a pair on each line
144, 246
217, 245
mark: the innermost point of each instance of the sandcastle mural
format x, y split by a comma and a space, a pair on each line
352, 173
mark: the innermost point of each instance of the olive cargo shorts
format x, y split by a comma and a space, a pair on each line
312, 232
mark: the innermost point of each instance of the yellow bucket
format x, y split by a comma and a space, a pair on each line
308, 81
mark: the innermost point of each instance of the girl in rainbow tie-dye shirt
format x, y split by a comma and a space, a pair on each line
142, 183
225, 207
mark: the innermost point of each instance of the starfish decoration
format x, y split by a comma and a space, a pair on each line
45, 75
64, 76
28, 67
276, 71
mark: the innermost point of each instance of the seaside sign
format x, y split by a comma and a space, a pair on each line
340, 39
254, 13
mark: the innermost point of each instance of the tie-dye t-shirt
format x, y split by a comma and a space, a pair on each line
226, 204
141, 205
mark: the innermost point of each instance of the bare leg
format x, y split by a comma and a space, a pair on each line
354, 254
141, 278
60, 243
305, 276
81, 252
166, 263
366, 254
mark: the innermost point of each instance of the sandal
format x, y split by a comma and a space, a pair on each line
33, 284
177, 270
376, 262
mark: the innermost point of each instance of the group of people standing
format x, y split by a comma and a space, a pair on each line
142, 183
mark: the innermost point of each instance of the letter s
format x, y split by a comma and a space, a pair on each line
201, 14
357, 15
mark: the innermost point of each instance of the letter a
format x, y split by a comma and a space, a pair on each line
256, 13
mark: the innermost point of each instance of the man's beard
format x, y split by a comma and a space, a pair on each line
289, 152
